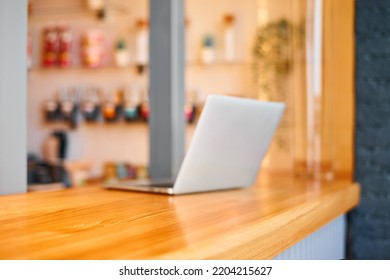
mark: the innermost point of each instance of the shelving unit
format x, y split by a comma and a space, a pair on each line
121, 141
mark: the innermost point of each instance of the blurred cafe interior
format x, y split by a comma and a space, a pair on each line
88, 83
87, 122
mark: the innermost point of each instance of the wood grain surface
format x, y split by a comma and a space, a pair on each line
94, 223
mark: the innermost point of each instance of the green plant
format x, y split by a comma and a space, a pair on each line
208, 41
272, 54
272, 65
120, 44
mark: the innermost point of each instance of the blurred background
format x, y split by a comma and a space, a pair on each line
88, 83
88, 91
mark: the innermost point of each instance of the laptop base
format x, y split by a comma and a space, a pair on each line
154, 186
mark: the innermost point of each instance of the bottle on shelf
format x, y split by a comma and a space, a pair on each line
132, 101
90, 107
142, 42
112, 108
109, 111
92, 48
51, 110
65, 46
119, 100
229, 37
69, 106
143, 108
50, 46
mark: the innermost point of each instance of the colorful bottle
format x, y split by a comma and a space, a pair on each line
50, 46
92, 49
65, 46
130, 109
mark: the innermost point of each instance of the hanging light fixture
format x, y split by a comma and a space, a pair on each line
98, 6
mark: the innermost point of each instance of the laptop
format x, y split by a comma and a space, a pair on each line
230, 140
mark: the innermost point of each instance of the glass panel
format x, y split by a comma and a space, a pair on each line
247, 49
274, 72
290, 68
272, 51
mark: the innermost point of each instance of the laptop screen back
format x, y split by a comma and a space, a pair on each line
231, 139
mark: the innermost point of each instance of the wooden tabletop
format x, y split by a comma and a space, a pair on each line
93, 223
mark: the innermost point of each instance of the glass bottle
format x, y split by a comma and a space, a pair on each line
229, 37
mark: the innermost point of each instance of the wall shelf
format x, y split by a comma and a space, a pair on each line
83, 69
137, 67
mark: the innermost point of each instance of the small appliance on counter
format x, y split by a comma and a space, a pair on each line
49, 170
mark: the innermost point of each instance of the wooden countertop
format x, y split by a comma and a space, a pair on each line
94, 223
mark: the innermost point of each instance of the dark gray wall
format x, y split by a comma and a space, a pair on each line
370, 223
167, 123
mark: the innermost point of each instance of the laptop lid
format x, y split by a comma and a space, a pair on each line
231, 139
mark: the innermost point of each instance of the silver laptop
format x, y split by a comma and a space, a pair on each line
231, 138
